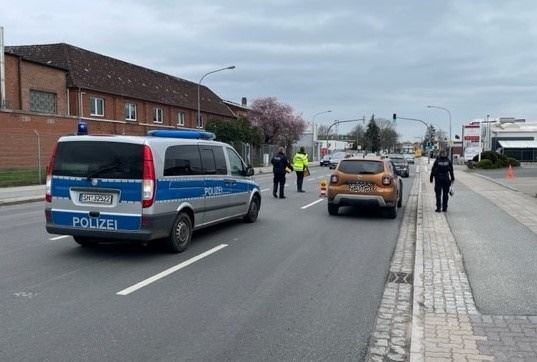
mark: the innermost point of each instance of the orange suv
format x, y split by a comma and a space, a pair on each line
365, 182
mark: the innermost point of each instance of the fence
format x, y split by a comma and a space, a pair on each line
24, 156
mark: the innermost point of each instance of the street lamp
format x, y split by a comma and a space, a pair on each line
313, 132
450, 139
198, 121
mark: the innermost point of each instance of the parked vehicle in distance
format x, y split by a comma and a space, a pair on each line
325, 161
365, 183
162, 186
409, 158
400, 164
335, 158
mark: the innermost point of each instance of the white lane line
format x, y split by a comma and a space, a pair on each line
59, 237
169, 271
313, 203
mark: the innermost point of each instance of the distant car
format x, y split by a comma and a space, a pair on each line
409, 158
400, 164
325, 161
334, 160
365, 182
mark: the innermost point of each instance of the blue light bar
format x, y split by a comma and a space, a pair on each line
202, 135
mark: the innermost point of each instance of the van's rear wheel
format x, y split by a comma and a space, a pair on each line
181, 234
85, 241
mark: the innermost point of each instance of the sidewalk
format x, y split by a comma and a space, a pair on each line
428, 305
22, 194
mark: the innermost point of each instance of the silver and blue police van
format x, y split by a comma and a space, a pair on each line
162, 186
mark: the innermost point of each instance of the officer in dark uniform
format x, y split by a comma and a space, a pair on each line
279, 164
442, 172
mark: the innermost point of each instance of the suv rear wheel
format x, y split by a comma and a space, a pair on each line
333, 209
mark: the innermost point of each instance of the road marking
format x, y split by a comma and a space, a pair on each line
169, 271
263, 190
59, 237
313, 203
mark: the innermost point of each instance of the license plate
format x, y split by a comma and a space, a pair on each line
361, 187
95, 198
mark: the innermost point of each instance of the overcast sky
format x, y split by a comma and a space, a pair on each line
355, 58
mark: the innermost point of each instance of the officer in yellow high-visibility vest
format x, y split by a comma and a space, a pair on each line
300, 164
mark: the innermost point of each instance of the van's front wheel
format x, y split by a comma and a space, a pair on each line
181, 234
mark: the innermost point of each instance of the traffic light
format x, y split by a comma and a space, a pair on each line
394, 117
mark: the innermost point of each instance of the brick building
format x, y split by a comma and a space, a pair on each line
50, 88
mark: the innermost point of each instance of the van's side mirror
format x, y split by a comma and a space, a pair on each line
249, 171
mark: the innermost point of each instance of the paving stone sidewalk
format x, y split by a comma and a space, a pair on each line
427, 311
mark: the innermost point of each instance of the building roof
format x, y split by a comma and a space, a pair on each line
92, 71
518, 144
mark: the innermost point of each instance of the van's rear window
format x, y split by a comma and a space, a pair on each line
99, 160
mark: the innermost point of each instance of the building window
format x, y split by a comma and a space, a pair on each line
158, 115
96, 106
44, 102
130, 111
180, 118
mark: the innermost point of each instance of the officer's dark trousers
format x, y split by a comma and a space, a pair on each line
299, 180
441, 189
279, 183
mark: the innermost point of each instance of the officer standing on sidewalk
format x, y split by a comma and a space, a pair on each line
442, 172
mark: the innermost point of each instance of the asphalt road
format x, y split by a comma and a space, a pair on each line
296, 285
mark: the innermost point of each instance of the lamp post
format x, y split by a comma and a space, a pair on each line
313, 132
450, 139
198, 121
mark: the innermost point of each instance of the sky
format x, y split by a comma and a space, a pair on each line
467, 58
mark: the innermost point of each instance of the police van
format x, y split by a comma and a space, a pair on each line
141, 188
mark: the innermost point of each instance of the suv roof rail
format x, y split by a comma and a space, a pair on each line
191, 134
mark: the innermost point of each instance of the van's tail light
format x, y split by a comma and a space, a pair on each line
387, 180
334, 179
148, 183
48, 184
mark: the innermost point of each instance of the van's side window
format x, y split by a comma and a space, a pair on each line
213, 160
235, 162
182, 160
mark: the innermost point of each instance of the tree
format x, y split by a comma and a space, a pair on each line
358, 134
322, 130
277, 121
372, 136
237, 130
387, 133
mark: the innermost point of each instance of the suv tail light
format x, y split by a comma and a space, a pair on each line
148, 183
334, 179
48, 184
387, 180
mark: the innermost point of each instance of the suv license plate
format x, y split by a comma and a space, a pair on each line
360, 187
95, 198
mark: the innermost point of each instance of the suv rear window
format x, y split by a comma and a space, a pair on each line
361, 167
98, 159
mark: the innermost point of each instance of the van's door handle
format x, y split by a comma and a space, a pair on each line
229, 181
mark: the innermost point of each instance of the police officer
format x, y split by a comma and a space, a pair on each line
280, 165
300, 164
442, 172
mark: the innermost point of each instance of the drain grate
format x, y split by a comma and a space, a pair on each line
405, 278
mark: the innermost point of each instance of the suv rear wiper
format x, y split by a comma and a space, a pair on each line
107, 167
